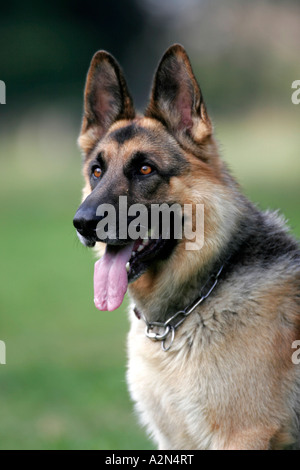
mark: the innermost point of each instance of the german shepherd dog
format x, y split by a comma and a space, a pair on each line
213, 330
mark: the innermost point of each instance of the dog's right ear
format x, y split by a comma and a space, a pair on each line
106, 100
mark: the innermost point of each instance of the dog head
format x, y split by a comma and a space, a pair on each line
167, 156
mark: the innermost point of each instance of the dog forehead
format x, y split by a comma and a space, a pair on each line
124, 131
125, 138
138, 134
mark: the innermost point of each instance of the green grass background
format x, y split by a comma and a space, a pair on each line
63, 386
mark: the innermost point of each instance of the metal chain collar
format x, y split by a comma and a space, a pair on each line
165, 332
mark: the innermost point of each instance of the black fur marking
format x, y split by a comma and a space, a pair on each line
126, 133
260, 242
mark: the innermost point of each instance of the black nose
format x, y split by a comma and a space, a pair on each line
85, 221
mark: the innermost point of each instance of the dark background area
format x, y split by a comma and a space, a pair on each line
248, 48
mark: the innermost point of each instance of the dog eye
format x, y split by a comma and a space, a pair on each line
97, 172
146, 170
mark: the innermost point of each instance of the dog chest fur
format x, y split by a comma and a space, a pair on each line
221, 376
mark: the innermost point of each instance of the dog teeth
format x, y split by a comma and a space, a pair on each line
127, 266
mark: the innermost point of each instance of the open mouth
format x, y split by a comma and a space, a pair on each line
144, 251
122, 264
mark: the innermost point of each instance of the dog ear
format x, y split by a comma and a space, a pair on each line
106, 99
176, 99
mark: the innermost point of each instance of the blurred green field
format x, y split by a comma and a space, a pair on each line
64, 383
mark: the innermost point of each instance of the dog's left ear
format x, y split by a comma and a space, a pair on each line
176, 98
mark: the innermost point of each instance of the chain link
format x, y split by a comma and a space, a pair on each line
166, 331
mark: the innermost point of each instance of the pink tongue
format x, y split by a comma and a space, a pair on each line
110, 277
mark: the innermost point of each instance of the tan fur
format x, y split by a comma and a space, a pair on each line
223, 392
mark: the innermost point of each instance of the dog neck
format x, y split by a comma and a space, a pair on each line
168, 298
165, 289
177, 318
